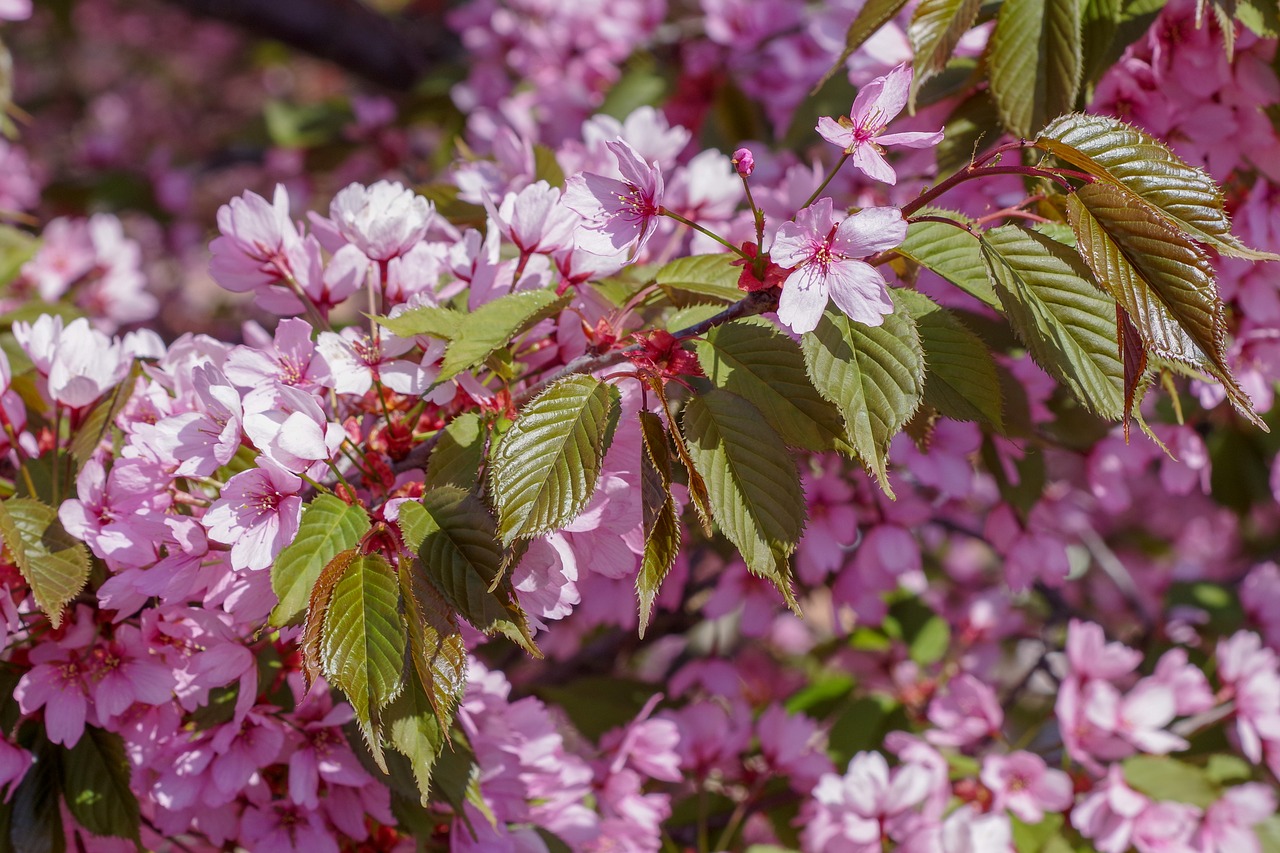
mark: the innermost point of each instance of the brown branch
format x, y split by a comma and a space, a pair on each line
395, 53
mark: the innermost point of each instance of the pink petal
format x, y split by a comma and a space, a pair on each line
859, 291
804, 296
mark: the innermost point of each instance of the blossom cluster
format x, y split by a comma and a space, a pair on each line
974, 662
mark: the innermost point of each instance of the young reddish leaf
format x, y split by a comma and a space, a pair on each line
1162, 279
1134, 356
436, 648
317, 608
661, 524
697, 486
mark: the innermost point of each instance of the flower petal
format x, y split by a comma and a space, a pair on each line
804, 296
868, 231
860, 292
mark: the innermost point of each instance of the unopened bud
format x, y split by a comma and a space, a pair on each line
744, 162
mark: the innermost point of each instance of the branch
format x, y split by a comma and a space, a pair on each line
756, 302
395, 53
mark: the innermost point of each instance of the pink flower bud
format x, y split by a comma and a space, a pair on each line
744, 162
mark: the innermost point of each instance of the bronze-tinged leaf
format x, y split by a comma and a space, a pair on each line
697, 486
436, 648
1134, 356
661, 524
317, 607
1162, 279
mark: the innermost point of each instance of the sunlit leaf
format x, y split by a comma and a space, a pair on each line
492, 326
545, 468
1162, 279
950, 252
310, 644
752, 482
414, 731
935, 30
459, 453
873, 374
697, 487
1141, 165
753, 359
1035, 58
329, 526
1056, 308
873, 15
54, 563
705, 275
364, 642
436, 647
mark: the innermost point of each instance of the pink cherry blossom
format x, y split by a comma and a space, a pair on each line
257, 514
861, 134
535, 219
965, 713
383, 221
259, 246
1021, 783
826, 255
619, 215
852, 812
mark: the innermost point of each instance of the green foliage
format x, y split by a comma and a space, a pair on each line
364, 641
54, 564
1162, 280
873, 374
414, 731
459, 452
1067, 323
95, 784
436, 648
459, 556
1035, 57
328, 527
16, 247
545, 468
491, 326
752, 482
1164, 778
703, 275
951, 253
756, 361
661, 522
935, 30
1141, 166
35, 822
961, 381
871, 17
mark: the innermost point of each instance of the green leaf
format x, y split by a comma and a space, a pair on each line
456, 541
1162, 279
102, 419
754, 360
16, 247
936, 28
1067, 323
545, 468
364, 643
1261, 17
414, 731
961, 381
873, 374
661, 524
951, 253
870, 18
546, 167
705, 275
491, 326
35, 824
1142, 166
436, 321
1099, 22
328, 527
459, 453
436, 647
752, 482
54, 564
95, 784
697, 488
1163, 778
1035, 58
